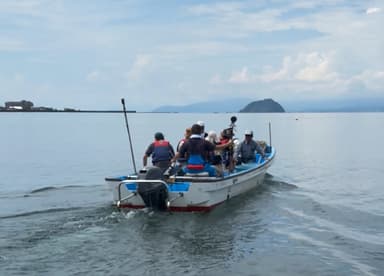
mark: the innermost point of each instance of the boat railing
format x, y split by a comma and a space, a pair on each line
134, 193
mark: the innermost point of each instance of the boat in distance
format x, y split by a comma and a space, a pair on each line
189, 192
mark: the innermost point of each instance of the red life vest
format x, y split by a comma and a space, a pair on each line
161, 151
161, 143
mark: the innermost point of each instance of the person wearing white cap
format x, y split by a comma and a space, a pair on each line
202, 125
247, 148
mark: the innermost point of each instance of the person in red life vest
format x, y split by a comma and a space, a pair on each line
197, 151
161, 152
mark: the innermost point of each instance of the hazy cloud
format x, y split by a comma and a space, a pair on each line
93, 76
189, 51
240, 77
304, 67
372, 10
138, 67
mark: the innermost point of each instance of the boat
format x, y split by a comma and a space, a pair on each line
176, 191
190, 192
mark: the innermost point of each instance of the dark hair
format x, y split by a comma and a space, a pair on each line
196, 129
227, 133
159, 136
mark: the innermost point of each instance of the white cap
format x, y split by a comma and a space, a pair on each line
212, 137
248, 132
200, 123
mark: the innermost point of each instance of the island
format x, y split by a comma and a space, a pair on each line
263, 106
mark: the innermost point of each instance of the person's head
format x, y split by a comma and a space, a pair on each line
227, 133
188, 132
196, 129
248, 134
212, 137
202, 125
159, 136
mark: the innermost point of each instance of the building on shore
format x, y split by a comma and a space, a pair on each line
19, 105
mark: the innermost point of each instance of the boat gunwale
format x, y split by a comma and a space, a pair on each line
197, 179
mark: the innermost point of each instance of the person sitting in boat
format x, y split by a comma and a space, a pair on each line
197, 151
187, 134
247, 148
161, 152
215, 158
202, 125
227, 154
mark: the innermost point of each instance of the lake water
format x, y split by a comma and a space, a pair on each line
319, 212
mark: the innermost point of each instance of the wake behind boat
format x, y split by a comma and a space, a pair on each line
177, 189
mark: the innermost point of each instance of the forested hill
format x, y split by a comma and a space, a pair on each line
263, 106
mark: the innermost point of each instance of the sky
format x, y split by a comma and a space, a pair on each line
88, 54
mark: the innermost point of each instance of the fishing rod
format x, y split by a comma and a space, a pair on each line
129, 135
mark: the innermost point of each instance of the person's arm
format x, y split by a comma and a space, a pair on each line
179, 153
177, 156
171, 151
237, 153
260, 150
147, 153
145, 160
223, 146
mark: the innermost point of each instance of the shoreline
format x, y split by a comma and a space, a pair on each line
68, 111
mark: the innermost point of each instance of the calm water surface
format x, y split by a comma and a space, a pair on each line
319, 212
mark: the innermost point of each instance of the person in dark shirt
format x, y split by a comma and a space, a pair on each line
197, 152
161, 152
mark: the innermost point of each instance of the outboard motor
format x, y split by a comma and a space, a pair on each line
154, 194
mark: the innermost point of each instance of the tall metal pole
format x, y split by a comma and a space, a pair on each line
270, 136
129, 135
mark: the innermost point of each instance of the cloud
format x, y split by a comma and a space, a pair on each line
216, 79
309, 67
372, 80
138, 67
372, 10
216, 9
242, 76
280, 47
93, 76
10, 44
315, 67
29, 7
305, 67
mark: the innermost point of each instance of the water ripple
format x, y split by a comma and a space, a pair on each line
362, 268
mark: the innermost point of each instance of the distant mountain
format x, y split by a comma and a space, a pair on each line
263, 106
248, 105
228, 105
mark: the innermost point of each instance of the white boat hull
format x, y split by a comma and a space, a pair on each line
193, 193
